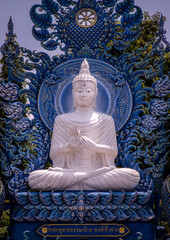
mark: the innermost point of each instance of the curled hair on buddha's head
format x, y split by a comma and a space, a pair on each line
84, 74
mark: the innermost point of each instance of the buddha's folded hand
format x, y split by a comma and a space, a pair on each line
88, 143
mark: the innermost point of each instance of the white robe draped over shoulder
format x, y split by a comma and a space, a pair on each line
83, 169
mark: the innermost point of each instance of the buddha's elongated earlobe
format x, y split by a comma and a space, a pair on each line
94, 105
74, 105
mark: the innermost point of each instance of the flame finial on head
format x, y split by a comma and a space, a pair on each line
84, 68
84, 74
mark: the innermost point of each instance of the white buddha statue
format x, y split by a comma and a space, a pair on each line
84, 147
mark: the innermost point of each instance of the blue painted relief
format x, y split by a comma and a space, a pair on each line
139, 112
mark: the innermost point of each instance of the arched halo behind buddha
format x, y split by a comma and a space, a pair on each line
114, 97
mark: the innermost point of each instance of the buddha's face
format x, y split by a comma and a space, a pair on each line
84, 94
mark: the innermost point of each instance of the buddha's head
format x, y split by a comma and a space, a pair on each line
84, 87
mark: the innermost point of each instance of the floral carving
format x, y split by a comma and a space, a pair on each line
82, 206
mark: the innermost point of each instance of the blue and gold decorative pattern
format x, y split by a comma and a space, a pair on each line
140, 111
81, 23
82, 206
87, 230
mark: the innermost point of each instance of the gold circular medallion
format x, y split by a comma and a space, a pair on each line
86, 17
